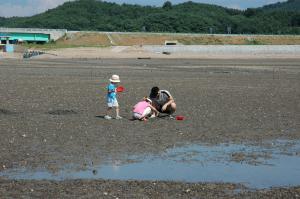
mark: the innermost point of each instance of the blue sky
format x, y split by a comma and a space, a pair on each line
11, 8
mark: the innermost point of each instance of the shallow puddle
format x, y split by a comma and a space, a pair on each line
275, 165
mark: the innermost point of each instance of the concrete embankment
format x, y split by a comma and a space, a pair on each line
234, 50
180, 51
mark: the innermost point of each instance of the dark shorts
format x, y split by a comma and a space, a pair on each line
158, 107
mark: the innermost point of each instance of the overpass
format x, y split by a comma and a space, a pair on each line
33, 34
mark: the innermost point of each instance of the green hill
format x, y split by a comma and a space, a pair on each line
287, 5
187, 17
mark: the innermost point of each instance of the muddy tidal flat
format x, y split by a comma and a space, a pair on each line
239, 137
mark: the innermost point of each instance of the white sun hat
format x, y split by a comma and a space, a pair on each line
115, 78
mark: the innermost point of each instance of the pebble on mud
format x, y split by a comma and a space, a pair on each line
188, 191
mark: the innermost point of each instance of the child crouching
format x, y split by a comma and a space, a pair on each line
143, 109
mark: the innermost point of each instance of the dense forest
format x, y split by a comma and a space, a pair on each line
189, 17
290, 5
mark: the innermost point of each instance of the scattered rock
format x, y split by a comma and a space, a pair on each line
95, 172
188, 190
5, 112
166, 53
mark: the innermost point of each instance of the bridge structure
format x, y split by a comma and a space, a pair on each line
31, 34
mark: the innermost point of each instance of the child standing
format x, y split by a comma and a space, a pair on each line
112, 101
144, 109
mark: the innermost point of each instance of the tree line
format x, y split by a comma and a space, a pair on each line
188, 17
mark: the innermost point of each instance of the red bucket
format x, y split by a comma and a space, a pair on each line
179, 117
120, 89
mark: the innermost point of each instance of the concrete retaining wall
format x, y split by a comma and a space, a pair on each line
228, 49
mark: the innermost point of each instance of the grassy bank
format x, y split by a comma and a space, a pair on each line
94, 39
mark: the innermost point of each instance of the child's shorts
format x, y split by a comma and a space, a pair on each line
146, 112
112, 103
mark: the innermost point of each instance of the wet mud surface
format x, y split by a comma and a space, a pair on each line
51, 115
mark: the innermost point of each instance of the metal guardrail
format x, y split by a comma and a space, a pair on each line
128, 33
182, 34
31, 29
